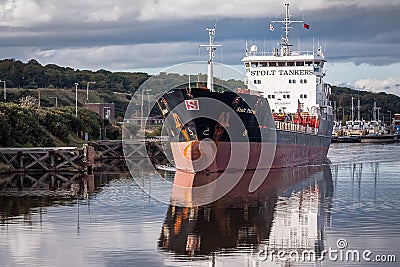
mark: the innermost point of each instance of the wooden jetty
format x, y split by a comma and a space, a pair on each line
47, 159
108, 149
132, 150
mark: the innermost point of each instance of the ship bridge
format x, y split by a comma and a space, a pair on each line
292, 81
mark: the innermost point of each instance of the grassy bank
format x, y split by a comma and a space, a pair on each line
28, 126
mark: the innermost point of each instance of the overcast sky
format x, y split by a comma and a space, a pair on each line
361, 37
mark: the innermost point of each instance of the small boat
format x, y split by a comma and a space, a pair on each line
348, 139
396, 124
379, 138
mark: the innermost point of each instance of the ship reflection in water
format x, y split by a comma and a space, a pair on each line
288, 212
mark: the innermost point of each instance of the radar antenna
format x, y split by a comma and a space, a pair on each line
285, 51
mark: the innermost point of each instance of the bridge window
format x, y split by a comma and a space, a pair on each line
263, 64
257, 81
299, 63
309, 63
290, 64
272, 64
254, 64
303, 96
281, 64
316, 66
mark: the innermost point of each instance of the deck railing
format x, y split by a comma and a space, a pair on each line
277, 53
292, 127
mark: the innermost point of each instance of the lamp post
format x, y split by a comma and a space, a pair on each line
342, 108
148, 103
76, 100
378, 113
390, 117
141, 119
55, 99
5, 95
87, 90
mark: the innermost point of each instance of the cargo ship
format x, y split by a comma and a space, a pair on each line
282, 116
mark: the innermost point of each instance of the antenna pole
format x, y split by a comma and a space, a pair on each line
210, 74
211, 47
286, 22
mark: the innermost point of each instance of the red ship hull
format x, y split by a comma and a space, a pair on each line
228, 131
260, 156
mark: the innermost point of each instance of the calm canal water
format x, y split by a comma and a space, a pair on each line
343, 213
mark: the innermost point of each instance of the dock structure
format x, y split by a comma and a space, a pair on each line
134, 150
108, 149
73, 159
47, 159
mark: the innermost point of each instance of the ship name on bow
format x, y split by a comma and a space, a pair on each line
245, 110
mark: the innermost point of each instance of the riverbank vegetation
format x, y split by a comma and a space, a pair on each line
28, 126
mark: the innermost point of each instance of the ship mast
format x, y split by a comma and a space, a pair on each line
211, 47
285, 51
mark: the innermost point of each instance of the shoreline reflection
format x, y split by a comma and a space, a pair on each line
27, 194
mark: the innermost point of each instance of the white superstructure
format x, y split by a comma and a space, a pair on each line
290, 80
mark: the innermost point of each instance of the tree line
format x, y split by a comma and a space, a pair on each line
32, 74
389, 104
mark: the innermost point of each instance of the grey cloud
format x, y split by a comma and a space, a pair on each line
351, 33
